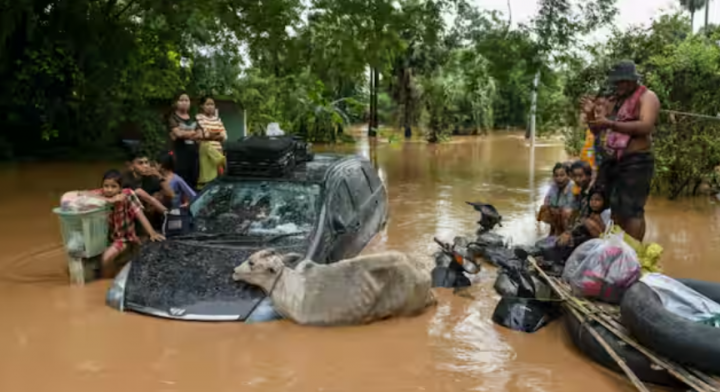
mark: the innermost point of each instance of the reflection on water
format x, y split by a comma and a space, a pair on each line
68, 336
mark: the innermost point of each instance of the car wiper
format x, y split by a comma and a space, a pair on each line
250, 239
208, 236
280, 236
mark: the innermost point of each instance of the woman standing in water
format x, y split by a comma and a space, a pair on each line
212, 160
184, 133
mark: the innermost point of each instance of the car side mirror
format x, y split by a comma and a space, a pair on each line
338, 225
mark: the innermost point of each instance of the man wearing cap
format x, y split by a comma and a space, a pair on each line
627, 171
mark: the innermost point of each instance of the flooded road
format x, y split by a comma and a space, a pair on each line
62, 338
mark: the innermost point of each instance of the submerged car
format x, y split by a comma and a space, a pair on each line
326, 209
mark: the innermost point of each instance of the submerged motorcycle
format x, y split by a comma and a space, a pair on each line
455, 261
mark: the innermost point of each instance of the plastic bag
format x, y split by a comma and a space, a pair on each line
502, 258
515, 283
273, 129
682, 300
713, 321
578, 256
78, 202
525, 314
648, 254
602, 269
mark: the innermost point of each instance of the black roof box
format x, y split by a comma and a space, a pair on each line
265, 156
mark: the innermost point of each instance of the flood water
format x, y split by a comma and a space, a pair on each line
62, 338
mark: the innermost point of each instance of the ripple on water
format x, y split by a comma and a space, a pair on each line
78, 343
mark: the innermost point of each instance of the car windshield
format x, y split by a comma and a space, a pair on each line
263, 208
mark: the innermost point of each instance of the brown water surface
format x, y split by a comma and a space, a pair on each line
54, 337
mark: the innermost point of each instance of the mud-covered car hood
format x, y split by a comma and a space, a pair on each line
192, 280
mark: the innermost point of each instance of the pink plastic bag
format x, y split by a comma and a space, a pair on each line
617, 142
81, 201
602, 269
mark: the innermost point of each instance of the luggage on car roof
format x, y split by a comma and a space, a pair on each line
264, 147
264, 156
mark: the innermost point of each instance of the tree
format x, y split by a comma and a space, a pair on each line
692, 6
682, 69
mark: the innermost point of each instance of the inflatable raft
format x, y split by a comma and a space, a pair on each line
681, 340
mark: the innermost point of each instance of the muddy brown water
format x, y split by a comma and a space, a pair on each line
62, 338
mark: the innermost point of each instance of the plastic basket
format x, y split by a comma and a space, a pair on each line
85, 233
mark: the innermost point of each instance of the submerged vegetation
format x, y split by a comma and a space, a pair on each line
77, 75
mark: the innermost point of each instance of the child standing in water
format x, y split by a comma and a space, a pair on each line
121, 221
560, 203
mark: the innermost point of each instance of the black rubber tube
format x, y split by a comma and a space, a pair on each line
636, 361
681, 340
708, 289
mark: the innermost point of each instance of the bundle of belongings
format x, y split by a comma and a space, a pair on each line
602, 268
77, 201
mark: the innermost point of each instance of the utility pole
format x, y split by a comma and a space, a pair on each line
533, 108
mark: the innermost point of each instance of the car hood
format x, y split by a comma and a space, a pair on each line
193, 281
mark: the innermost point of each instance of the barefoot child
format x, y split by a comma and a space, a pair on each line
590, 226
121, 221
559, 205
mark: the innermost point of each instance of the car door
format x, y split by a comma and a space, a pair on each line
379, 202
362, 195
343, 222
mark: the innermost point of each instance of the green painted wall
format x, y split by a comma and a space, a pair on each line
233, 117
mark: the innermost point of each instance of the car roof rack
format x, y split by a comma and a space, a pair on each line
266, 156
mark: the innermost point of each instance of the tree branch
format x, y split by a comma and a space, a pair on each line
127, 6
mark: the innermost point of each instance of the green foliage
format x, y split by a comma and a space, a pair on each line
75, 74
683, 70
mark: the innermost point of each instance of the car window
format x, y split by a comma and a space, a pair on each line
359, 186
341, 205
257, 207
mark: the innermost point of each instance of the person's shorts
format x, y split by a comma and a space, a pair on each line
627, 183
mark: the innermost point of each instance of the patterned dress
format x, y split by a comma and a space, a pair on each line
121, 220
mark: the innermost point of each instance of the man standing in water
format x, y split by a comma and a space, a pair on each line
627, 171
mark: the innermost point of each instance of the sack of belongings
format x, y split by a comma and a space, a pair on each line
648, 254
602, 268
76, 201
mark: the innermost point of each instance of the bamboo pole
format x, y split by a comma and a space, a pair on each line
688, 376
623, 365
599, 316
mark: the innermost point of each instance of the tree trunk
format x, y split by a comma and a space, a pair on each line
376, 83
707, 15
371, 131
692, 20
